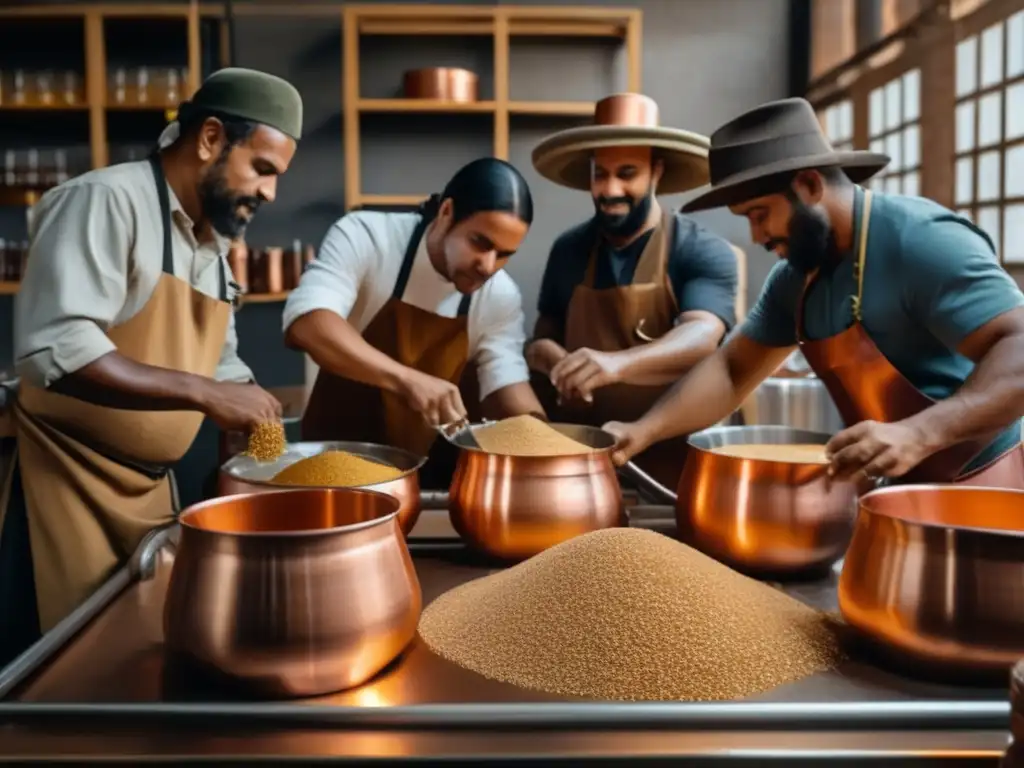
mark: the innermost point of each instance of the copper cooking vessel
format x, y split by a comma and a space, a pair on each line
441, 83
765, 518
512, 507
242, 474
294, 593
934, 579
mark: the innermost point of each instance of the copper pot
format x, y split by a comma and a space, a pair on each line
441, 83
767, 518
242, 474
294, 593
512, 507
933, 578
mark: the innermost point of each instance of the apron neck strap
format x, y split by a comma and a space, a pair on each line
409, 258
165, 220
862, 252
660, 237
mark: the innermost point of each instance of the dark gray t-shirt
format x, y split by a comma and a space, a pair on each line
701, 269
931, 278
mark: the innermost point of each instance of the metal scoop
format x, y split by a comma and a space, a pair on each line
459, 433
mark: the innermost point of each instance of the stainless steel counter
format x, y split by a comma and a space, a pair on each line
110, 692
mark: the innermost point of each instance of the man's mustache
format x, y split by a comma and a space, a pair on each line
603, 201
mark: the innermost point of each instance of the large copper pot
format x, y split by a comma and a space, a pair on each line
441, 84
765, 518
512, 507
242, 474
934, 578
294, 593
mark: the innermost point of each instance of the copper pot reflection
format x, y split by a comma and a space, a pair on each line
294, 593
766, 518
513, 507
242, 474
441, 83
934, 578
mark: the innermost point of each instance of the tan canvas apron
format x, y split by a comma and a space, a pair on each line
344, 409
616, 319
866, 386
95, 479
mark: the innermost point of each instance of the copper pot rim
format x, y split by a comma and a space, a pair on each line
814, 438
441, 71
416, 464
580, 429
864, 506
219, 501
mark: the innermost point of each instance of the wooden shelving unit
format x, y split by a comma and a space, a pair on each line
501, 24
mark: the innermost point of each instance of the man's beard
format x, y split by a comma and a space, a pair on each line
221, 205
624, 224
810, 242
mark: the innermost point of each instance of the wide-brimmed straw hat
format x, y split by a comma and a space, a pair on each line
771, 141
624, 120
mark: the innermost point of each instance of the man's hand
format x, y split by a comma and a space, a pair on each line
586, 370
630, 440
877, 450
234, 406
436, 400
543, 355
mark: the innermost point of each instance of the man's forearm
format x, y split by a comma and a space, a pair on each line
714, 388
666, 359
339, 348
116, 381
513, 400
990, 399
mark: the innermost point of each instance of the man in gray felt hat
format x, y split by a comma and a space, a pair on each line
124, 339
899, 305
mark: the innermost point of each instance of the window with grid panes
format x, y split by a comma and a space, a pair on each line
894, 128
837, 122
990, 133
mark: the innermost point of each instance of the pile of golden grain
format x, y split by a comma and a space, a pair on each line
526, 436
632, 615
336, 469
266, 441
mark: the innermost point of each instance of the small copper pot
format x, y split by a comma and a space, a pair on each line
513, 507
933, 579
766, 518
295, 593
242, 474
441, 83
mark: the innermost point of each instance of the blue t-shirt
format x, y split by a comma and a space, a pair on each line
701, 269
931, 278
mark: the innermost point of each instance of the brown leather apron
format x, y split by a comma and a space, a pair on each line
93, 480
866, 386
615, 319
344, 409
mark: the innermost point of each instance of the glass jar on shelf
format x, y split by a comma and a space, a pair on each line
118, 87
71, 91
19, 88
44, 91
142, 86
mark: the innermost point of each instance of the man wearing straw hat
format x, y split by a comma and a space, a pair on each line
634, 296
899, 305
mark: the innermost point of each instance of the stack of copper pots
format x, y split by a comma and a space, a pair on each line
294, 593
269, 270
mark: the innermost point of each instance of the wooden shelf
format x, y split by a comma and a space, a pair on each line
153, 107
556, 108
9, 288
43, 107
21, 195
387, 201
424, 105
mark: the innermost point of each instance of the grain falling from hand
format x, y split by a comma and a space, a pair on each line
629, 614
266, 441
526, 436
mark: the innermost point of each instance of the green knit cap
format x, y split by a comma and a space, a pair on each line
249, 95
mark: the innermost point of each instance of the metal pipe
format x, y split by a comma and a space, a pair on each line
434, 499
838, 716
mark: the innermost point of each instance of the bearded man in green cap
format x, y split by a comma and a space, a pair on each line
125, 340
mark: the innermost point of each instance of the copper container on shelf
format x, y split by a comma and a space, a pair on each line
513, 507
238, 261
275, 269
242, 474
292, 270
441, 84
765, 518
295, 593
934, 579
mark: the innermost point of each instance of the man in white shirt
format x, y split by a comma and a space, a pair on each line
397, 304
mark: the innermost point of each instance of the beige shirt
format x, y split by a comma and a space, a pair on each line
96, 256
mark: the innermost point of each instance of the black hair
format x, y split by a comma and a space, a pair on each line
236, 129
486, 184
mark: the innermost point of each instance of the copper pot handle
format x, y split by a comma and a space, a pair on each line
647, 483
